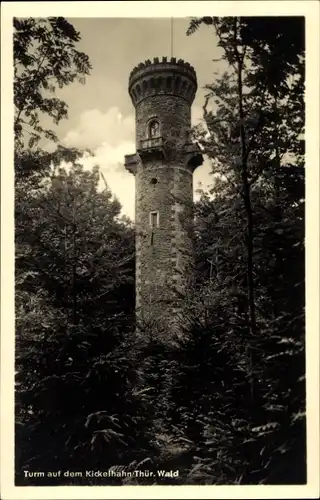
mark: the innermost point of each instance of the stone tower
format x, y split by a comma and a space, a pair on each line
162, 92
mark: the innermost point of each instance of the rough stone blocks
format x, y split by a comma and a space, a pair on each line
164, 191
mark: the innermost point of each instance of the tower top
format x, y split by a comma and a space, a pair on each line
163, 77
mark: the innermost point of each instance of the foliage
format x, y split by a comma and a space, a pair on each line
74, 293
45, 58
250, 258
68, 229
76, 405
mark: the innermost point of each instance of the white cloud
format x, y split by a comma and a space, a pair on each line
96, 128
111, 136
196, 115
120, 181
202, 178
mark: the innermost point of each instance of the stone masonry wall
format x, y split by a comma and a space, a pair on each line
164, 254
173, 112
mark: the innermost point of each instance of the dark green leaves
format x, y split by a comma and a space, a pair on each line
45, 58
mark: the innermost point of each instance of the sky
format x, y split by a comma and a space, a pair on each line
101, 114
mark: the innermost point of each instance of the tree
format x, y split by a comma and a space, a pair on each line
74, 291
72, 229
76, 406
253, 134
45, 57
248, 98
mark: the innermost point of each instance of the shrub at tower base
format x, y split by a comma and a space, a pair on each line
213, 425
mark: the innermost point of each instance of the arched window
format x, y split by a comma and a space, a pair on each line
154, 129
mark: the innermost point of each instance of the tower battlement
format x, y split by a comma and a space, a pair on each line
167, 77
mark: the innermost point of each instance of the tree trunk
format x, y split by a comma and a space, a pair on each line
249, 223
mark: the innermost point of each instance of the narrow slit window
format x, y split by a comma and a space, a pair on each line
154, 219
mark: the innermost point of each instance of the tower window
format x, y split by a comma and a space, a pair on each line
154, 129
154, 180
154, 219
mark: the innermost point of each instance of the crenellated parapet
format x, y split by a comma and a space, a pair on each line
168, 77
